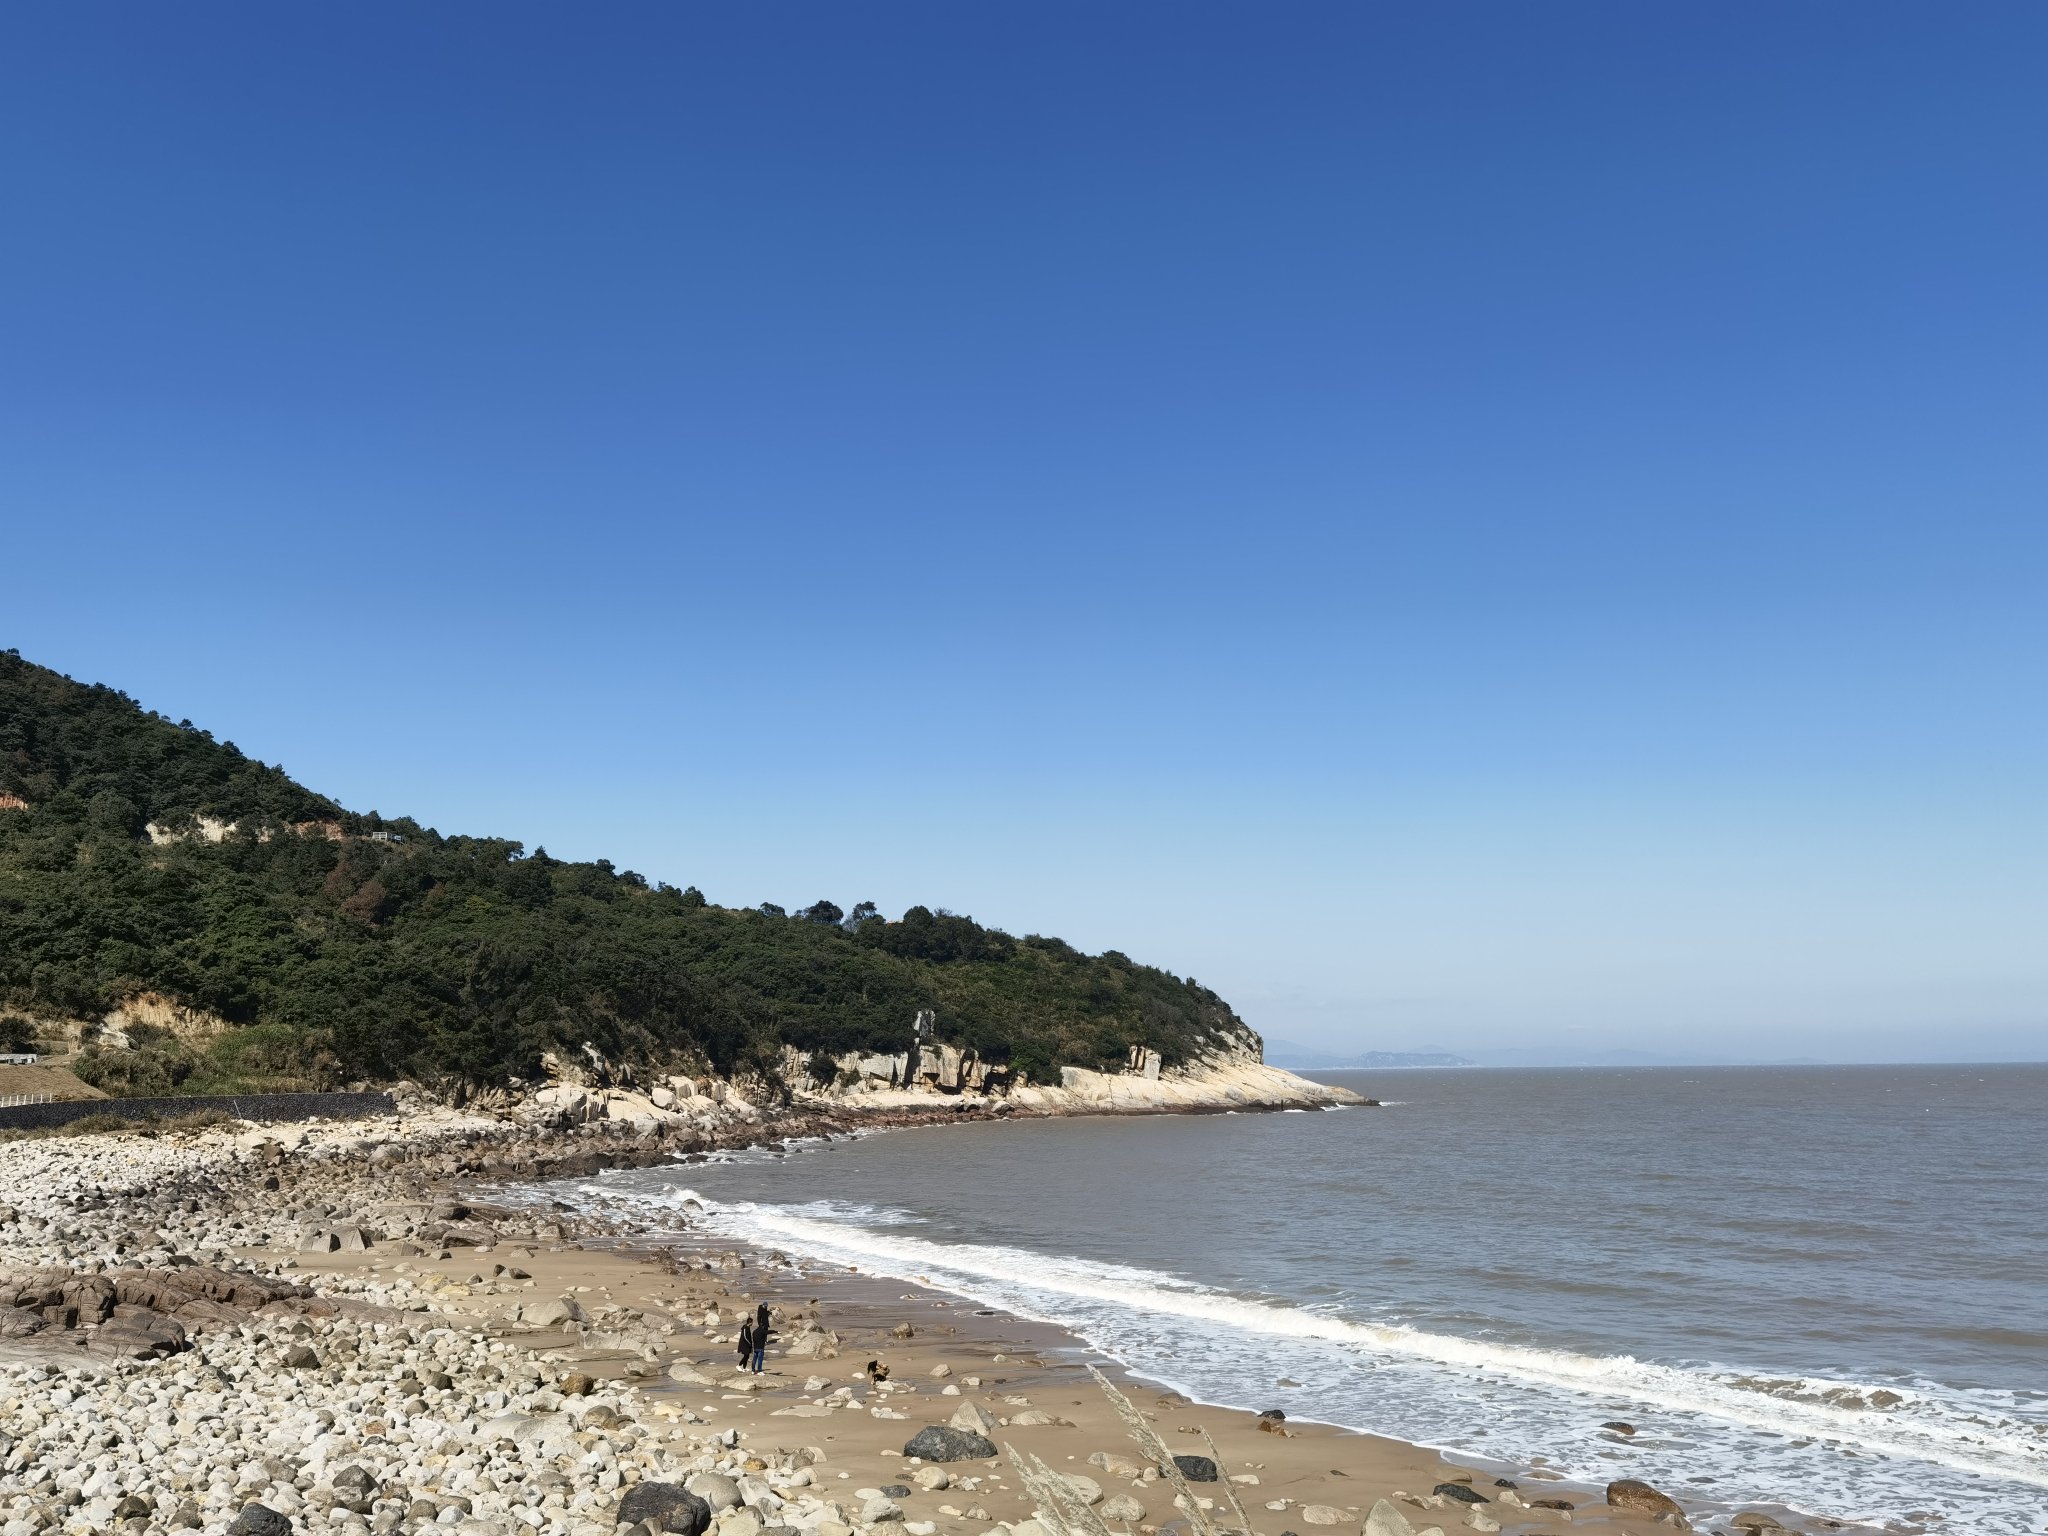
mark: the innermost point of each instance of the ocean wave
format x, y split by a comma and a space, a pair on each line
1917, 1426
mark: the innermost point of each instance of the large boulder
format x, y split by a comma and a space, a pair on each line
942, 1442
19, 1322
137, 1334
1635, 1497
670, 1508
550, 1314
1196, 1469
260, 1520
814, 1344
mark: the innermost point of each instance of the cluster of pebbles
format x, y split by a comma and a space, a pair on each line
154, 1377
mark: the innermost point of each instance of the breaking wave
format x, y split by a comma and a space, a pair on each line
1840, 1445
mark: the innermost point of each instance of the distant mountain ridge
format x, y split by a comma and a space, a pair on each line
1557, 1056
1285, 1053
1302, 1058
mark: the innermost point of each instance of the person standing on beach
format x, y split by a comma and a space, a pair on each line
746, 1343
760, 1336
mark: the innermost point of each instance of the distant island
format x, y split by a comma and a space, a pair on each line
180, 918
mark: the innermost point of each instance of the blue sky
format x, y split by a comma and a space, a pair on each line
1482, 526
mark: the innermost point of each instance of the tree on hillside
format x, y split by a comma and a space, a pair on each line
335, 945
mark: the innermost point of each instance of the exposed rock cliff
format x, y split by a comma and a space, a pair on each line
1216, 1084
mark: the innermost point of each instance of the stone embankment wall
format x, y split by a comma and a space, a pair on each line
242, 1106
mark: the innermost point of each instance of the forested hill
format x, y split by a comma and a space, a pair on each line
142, 859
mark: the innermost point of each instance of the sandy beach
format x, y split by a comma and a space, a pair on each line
388, 1351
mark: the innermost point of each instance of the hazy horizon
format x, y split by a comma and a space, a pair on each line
1488, 528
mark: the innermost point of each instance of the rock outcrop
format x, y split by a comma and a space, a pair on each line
1222, 1081
1635, 1497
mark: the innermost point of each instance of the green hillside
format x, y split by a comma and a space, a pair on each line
342, 945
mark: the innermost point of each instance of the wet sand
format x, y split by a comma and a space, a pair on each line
955, 1353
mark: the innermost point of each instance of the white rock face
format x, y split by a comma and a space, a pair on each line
1218, 1083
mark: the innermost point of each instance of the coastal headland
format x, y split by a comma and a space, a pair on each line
390, 1325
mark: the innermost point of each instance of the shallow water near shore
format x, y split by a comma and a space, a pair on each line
1745, 1264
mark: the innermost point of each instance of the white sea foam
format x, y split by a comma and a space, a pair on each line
1716, 1424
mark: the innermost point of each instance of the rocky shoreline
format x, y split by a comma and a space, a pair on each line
310, 1329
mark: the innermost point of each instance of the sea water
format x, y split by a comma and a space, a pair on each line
1822, 1287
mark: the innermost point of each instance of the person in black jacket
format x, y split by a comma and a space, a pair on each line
746, 1343
760, 1336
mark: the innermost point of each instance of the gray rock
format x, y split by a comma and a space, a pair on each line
549, 1314
1196, 1469
671, 1508
1116, 1464
716, 1490
260, 1520
975, 1419
1459, 1493
1086, 1489
138, 1336
354, 1489
941, 1442
19, 1322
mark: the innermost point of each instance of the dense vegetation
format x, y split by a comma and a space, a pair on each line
346, 946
